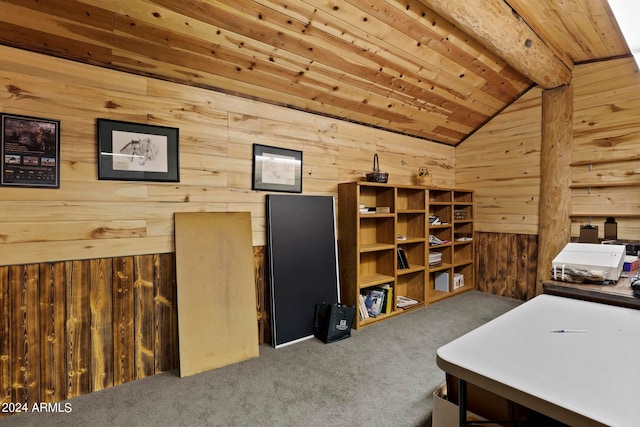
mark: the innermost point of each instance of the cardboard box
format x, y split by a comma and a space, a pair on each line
458, 281
447, 414
442, 281
599, 262
481, 405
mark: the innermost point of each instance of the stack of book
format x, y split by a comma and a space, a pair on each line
375, 209
367, 209
375, 301
435, 220
435, 259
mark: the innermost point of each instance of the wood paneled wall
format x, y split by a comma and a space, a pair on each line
87, 218
70, 328
606, 147
506, 264
502, 160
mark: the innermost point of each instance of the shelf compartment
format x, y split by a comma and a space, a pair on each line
435, 294
373, 195
411, 225
445, 250
467, 272
411, 286
464, 229
415, 253
444, 233
376, 267
463, 253
387, 304
462, 213
410, 200
462, 196
439, 196
377, 230
443, 212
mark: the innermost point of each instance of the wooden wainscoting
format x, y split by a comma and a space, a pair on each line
506, 264
73, 327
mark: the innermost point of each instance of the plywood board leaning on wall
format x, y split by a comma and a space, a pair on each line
215, 289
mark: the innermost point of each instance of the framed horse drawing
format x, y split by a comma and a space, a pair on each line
137, 152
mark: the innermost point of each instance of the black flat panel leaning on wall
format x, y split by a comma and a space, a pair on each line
303, 266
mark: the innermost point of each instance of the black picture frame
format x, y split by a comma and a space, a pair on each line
30, 151
276, 169
137, 152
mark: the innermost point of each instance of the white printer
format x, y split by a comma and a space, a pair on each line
588, 261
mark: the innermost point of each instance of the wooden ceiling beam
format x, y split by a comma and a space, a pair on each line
494, 24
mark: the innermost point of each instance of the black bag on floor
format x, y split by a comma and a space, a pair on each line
333, 322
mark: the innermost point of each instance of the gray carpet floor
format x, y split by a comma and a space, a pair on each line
384, 375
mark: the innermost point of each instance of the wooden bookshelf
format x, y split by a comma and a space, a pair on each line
369, 242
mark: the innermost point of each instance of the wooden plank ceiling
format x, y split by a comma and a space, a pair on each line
434, 69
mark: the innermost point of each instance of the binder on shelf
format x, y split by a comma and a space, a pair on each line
442, 281
389, 299
402, 259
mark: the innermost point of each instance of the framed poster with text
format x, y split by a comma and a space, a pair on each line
30, 151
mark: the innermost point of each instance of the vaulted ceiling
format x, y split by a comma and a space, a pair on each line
434, 69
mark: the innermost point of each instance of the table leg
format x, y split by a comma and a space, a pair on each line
462, 401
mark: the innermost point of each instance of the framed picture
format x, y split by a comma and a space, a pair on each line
30, 151
277, 169
137, 152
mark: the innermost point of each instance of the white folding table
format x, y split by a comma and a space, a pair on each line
588, 375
